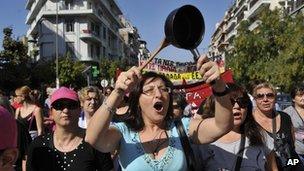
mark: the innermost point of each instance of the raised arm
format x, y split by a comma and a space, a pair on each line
208, 130
99, 133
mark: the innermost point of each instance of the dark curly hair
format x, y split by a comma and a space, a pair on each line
134, 119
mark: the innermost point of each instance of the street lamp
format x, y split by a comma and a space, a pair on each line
56, 46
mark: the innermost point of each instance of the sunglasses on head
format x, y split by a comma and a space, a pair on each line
241, 101
267, 95
61, 105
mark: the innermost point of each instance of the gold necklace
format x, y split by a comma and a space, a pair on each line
67, 148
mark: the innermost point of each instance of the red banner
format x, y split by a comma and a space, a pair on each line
200, 92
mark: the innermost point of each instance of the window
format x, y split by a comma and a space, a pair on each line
70, 48
95, 29
104, 51
47, 49
92, 51
98, 52
69, 25
104, 34
69, 4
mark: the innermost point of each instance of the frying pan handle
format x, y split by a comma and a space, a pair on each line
195, 54
163, 44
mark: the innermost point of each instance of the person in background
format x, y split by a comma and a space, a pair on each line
179, 105
296, 113
108, 91
47, 103
29, 114
15, 101
23, 138
65, 149
122, 111
90, 100
243, 147
276, 125
8, 140
148, 139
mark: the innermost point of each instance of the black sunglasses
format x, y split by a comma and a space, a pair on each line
61, 105
241, 101
267, 95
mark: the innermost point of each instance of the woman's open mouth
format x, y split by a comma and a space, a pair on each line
158, 106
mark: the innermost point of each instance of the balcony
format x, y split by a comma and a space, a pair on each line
256, 6
222, 46
231, 24
230, 35
29, 4
90, 36
35, 8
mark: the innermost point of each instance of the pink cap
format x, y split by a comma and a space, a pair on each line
8, 130
64, 93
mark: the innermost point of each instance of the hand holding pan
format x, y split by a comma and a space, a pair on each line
184, 28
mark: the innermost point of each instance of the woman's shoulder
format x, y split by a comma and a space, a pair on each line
42, 140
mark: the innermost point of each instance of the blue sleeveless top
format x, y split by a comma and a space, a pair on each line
132, 156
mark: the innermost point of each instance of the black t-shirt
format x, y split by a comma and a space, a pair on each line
43, 156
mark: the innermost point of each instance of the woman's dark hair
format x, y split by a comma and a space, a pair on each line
249, 127
135, 120
295, 89
180, 99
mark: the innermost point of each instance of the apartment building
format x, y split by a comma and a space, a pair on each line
226, 29
88, 29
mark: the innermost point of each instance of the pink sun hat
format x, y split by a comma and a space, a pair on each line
8, 130
64, 93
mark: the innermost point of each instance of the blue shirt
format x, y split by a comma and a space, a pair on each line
132, 156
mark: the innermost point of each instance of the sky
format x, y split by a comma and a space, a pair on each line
147, 15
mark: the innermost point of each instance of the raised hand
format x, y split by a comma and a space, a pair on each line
209, 70
126, 81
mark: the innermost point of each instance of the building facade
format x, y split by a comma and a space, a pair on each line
88, 30
226, 30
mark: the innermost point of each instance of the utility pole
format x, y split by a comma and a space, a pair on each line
56, 46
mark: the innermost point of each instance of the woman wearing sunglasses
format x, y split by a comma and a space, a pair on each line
277, 127
65, 149
243, 147
149, 139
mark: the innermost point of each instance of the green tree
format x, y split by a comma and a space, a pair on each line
108, 68
273, 51
14, 62
70, 72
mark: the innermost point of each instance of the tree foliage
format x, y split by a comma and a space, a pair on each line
70, 72
15, 64
108, 68
274, 51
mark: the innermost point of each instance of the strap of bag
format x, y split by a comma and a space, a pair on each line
240, 154
274, 130
186, 145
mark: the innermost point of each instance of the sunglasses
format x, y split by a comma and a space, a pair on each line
241, 101
267, 95
61, 105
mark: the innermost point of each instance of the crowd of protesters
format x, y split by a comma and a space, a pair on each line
142, 123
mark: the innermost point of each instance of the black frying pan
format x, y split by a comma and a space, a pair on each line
184, 28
